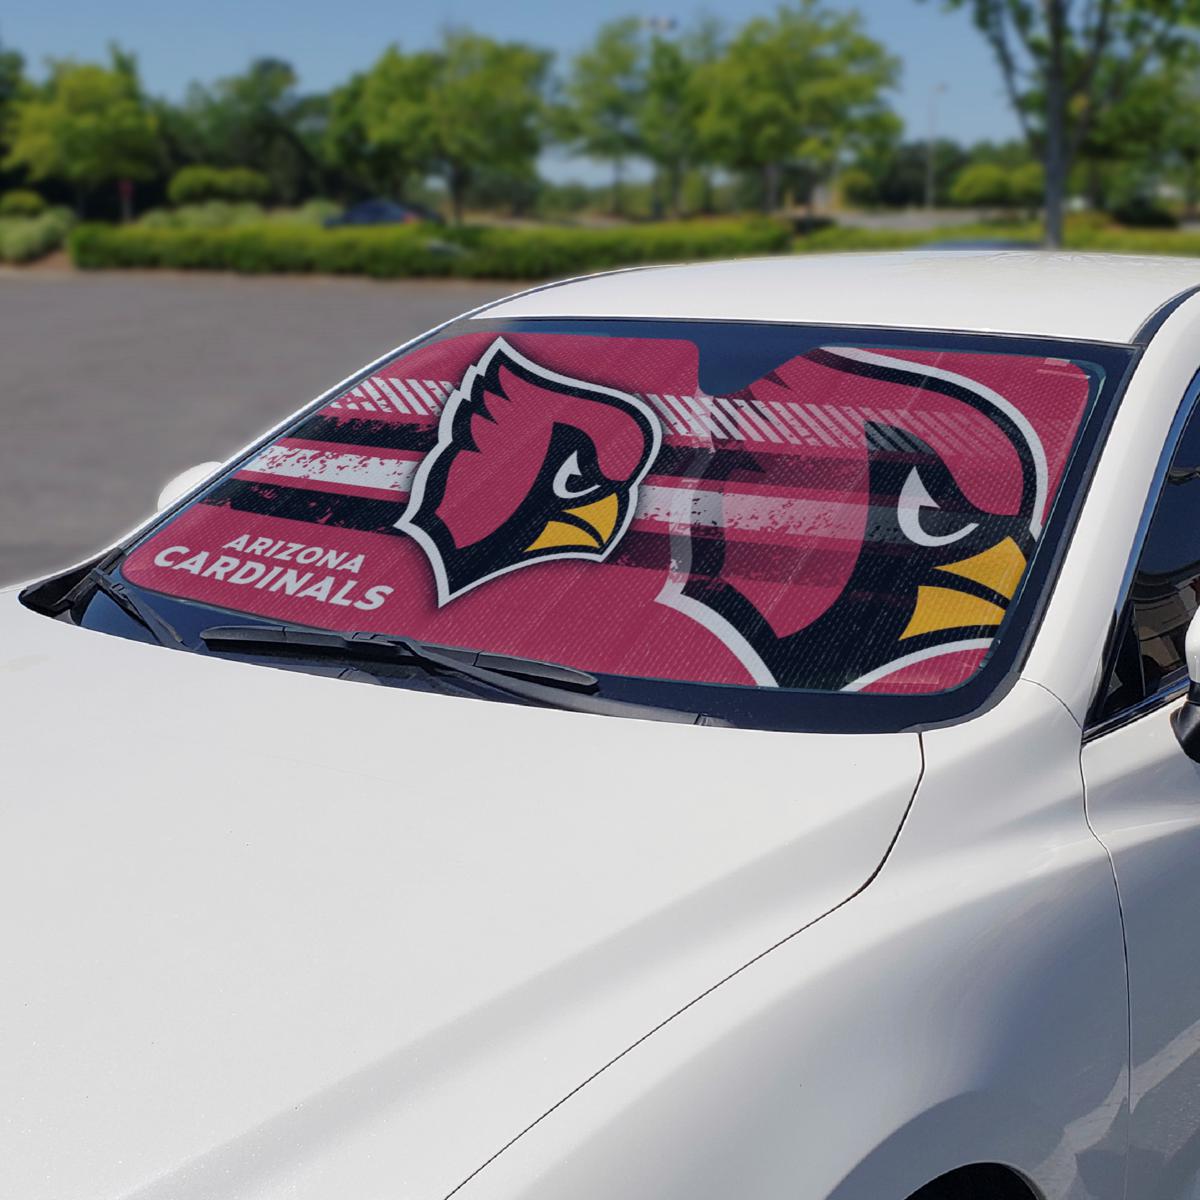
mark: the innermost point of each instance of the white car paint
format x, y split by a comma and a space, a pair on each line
584, 960
1104, 297
302, 959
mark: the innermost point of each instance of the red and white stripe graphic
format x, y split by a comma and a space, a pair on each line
756, 514
689, 419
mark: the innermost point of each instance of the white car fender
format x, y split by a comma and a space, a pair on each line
968, 1006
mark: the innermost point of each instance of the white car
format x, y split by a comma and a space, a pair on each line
700, 733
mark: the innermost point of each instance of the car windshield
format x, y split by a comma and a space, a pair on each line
735, 509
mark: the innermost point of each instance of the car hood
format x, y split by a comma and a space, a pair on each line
270, 934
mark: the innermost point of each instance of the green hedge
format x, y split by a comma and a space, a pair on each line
399, 251
23, 239
194, 185
227, 214
21, 202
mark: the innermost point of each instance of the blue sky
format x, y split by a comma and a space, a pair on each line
328, 39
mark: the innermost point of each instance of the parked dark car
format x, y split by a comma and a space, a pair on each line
383, 212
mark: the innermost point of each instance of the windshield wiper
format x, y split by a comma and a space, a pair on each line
127, 601
551, 684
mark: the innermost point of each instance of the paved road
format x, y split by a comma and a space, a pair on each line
111, 383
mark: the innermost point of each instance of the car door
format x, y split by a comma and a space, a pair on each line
1143, 801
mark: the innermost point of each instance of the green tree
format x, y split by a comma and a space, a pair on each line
1027, 184
1064, 65
486, 109
1152, 134
857, 187
671, 102
88, 125
257, 119
982, 185
474, 105
1180, 133
13, 85
795, 88
899, 171
603, 98
384, 122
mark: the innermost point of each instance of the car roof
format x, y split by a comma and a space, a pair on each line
1098, 297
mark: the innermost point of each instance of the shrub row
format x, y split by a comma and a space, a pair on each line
226, 214
194, 185
21, 202
23, 239
395, 252
842, 237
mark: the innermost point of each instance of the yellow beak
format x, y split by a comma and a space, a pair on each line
599, 520
998, 568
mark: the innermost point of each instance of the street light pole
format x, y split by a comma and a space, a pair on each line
930, 143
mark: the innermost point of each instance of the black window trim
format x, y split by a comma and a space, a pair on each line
1176, 684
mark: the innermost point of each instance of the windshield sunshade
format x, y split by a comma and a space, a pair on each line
715, 504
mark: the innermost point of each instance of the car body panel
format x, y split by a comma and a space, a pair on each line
260, 953
260, 917
968, 1006
1144, 803
1099, 297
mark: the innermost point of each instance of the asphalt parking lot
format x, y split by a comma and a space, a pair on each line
111, 383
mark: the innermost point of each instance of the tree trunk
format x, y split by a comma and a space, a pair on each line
1056, 134
458, 188
618, 200
771, 181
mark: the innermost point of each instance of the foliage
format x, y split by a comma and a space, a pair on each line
1027, 184
671, 101
223, 214
604, 92
21, 202
982, 185
258, 120
196, 184
501, 253
1065, 66
365, 167
1145, 213
857, 187
899, 170
798, 86
472, 106
392, 123
212, 214
24, 239
88, 125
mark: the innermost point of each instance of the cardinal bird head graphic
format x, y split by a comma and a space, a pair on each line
529, 465
935, 571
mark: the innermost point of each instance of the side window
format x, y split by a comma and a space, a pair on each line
1148, 654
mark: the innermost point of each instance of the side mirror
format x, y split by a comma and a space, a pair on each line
1187, 719
181, 484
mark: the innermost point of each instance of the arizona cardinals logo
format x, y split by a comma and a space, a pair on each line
529, 465
935, 572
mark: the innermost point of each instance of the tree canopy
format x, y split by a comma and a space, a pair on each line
793, 88
1066, 65
88, 124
